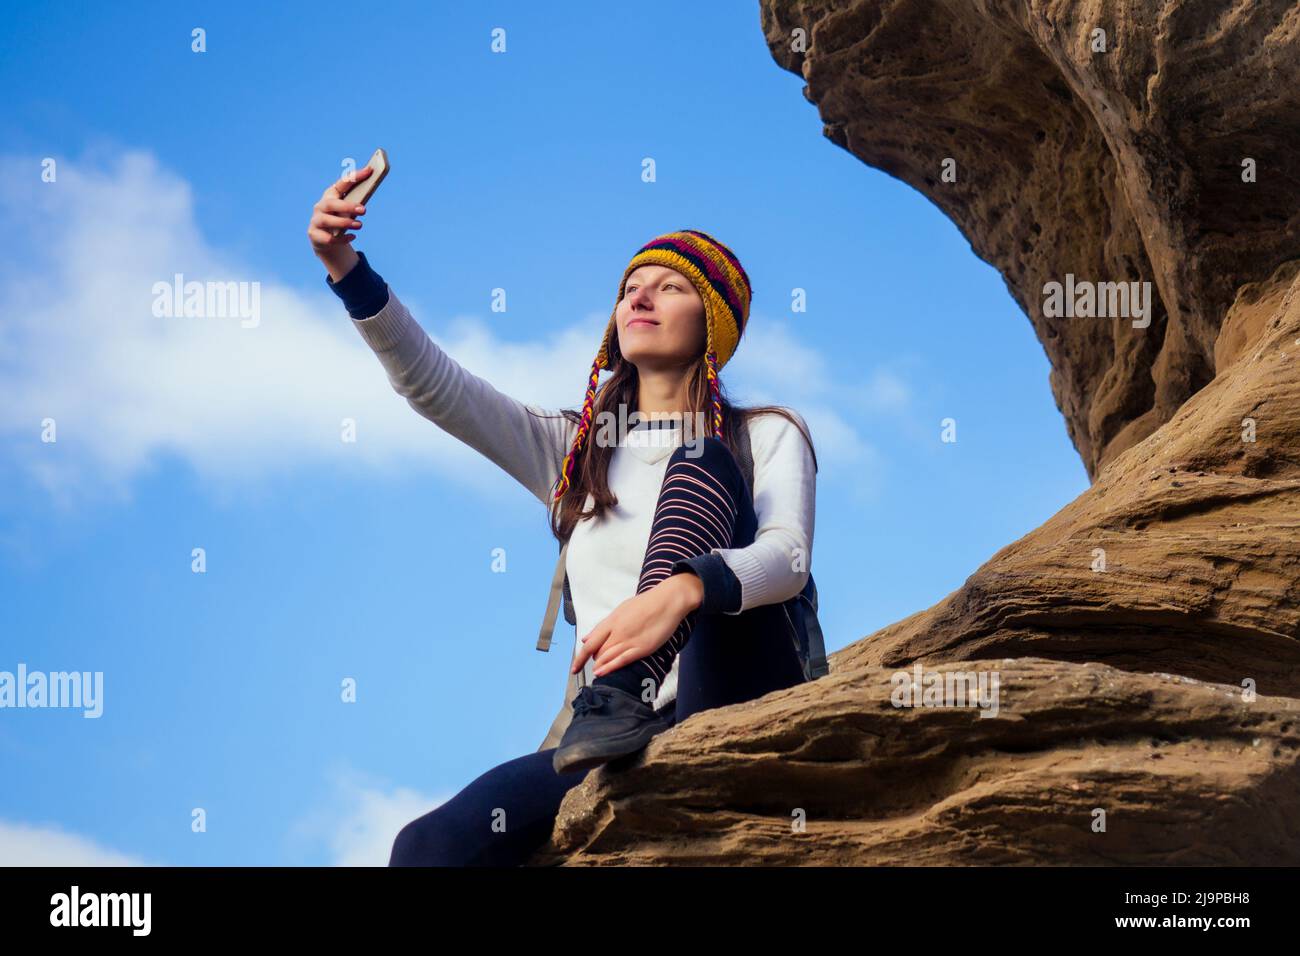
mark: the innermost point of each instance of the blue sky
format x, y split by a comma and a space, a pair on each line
373, 560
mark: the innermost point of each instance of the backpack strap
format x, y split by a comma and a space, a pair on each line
817, 663
744, 456
561, 722
570, 614
560, 588
559, 584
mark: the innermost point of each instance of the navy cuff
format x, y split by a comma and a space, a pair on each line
722, 591
363, 290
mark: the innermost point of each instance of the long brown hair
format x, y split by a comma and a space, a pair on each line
591, 468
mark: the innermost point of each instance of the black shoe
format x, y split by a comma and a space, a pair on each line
608, 722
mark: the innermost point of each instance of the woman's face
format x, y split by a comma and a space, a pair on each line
660, 319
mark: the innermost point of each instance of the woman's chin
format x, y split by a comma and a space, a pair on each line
657, 361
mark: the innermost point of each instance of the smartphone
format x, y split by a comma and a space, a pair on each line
365, 188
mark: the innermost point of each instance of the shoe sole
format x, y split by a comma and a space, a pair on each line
593, 753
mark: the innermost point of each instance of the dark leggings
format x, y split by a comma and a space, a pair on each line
504, 815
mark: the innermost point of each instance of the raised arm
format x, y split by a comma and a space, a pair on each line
529, 448
785, 498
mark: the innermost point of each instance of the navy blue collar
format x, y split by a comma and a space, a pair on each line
655, 423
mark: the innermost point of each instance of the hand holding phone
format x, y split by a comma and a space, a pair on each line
365, 187
334, 212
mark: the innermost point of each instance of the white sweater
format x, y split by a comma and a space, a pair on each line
604, 558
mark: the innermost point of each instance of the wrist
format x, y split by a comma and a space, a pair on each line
341, 263
691, 590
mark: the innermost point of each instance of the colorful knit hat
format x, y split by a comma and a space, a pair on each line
717, 275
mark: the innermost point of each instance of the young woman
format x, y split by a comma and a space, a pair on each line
677, 573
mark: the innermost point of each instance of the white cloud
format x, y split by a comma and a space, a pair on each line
359, 819
23, 844
772, 354
80, 344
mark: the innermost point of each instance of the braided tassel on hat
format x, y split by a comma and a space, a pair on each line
724, 287
715, 392
584, 426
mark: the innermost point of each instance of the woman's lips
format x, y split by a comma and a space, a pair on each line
635, 322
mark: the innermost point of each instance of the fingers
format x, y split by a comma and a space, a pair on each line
333, 215
330, 225
345, 183
611, 651
588, 646
326, 220
330, 220
580, 660
339, 206
320, 237
627, 656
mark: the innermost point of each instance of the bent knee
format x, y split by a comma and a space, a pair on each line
407, 845
424, 842
708, 451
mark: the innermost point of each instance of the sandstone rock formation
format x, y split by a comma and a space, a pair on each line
1125, 164
1129, 630
1185, 773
